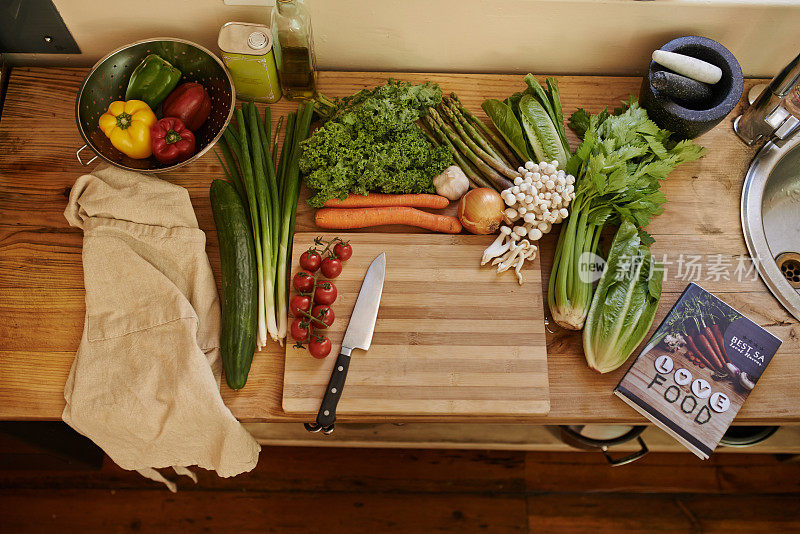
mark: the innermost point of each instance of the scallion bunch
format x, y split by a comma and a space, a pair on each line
269, 183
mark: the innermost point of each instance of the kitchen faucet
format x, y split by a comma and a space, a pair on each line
767, 116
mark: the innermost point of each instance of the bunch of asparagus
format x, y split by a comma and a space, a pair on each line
484, 156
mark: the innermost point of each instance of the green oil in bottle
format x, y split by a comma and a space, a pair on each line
298, 74
294, 49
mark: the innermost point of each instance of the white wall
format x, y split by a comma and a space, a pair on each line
543, 36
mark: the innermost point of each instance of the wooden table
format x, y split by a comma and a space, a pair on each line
41, 280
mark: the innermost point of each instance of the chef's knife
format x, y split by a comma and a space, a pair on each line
357, 336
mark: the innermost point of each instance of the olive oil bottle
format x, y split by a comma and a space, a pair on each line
293, 43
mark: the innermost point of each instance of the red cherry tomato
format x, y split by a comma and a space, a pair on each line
343, 251
331, 267
325, 293
310, 260
299, 330
323, 313
299, 304
303, 281
319, 346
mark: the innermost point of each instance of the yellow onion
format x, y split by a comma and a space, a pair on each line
481, 211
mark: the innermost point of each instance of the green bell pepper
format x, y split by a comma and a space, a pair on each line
152, 81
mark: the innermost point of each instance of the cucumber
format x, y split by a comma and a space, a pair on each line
541, 132
239, 282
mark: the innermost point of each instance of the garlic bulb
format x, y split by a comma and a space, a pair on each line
452, 183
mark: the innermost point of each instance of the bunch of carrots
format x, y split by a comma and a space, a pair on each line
375, 209
705, 343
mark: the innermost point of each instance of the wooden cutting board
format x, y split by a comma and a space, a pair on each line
451, 337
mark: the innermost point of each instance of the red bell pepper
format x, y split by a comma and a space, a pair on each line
190, 103
172, 141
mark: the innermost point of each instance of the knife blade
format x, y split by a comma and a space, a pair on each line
357, 336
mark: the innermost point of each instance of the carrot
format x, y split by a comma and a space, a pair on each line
375, 200
706, 344
696, 350
715, 328
346, 218
714, 345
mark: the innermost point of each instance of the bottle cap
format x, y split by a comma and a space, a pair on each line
257, 40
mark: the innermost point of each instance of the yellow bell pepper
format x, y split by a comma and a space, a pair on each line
128, 124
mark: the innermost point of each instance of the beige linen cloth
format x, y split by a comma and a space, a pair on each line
145, 381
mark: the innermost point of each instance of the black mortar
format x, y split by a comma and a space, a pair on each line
685, 120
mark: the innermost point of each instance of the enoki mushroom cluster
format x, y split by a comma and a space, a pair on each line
539, 199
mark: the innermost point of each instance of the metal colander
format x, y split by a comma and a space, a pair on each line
108, 80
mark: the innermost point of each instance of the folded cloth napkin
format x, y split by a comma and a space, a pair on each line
145, 381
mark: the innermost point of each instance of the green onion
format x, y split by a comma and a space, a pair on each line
291, 193
269, 182
250, 186
265, 217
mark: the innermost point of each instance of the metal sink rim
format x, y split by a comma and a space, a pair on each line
755, 182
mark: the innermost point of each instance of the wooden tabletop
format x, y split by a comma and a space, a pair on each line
41, 279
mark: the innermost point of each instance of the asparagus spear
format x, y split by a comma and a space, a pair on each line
498, 142
473, 175
430, 137
489, 174
481, 153
476, 135
325, 107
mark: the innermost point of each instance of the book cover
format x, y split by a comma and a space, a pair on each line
697, 370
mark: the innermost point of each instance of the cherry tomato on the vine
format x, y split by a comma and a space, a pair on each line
299, 304
331, 267
324, 313
325, 293
299, 329
319, 346
310, 260
343, 251
303, 281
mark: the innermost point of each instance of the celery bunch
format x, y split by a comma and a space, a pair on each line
618, 166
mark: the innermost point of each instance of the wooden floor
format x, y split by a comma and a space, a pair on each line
418, 491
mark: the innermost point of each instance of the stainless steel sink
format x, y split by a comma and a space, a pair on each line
771, 219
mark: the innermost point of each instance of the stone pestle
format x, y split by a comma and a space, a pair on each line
688, 66
681, 88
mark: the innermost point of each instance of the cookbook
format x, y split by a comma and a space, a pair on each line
697, 370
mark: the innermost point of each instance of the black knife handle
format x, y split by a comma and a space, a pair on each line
327, 410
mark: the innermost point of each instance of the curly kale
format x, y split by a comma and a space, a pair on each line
371, 142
